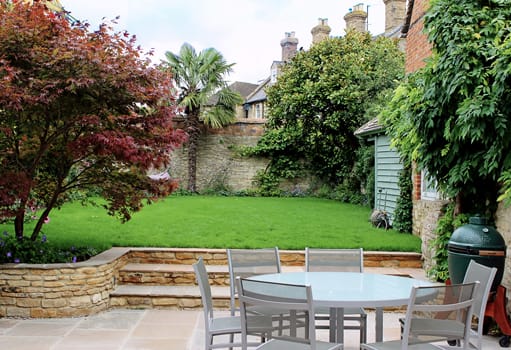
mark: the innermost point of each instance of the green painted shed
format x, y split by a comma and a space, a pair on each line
387, 166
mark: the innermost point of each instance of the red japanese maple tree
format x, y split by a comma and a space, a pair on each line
79, 109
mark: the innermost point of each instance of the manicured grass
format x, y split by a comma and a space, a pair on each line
221, 222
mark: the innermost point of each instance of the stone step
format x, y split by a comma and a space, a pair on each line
150, 285
169, 274
176, 274
171, 297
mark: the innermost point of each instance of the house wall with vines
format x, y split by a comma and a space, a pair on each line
427, 209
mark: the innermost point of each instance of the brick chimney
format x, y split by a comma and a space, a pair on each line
395, 13
356, 18
289, 45
321, 31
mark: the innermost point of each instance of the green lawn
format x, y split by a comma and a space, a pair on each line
221, 222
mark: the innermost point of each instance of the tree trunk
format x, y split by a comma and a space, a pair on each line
19, 222
193, 130
39, 224
49, 206
458, 205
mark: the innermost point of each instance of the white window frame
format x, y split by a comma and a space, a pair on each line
258, 111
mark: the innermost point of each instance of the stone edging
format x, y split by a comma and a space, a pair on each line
80, 289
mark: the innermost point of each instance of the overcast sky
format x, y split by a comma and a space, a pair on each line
246, 32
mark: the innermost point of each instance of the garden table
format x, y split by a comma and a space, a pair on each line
339, 290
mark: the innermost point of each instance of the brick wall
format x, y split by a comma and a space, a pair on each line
417, 45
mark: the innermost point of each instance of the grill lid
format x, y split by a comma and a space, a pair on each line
475, 237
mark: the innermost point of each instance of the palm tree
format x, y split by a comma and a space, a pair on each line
199, 77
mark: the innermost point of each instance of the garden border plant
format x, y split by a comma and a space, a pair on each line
15, 250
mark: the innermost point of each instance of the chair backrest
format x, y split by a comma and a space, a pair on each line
338, 260
249, 262
201, 276
439, 313
281, 298
485, 276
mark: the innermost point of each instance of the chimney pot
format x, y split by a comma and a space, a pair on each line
357, 18
289, 46
321, 31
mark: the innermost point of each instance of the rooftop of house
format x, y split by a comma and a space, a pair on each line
259, 93
243, 88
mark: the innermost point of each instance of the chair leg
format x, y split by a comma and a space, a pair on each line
231, 339
209, 342
363, 328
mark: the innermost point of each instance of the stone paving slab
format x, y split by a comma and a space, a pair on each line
146, 329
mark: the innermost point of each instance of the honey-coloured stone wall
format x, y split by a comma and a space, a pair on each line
84, 288
59, 290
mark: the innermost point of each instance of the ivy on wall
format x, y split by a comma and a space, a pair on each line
403, 214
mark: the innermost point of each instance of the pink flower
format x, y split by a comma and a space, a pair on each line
46, 220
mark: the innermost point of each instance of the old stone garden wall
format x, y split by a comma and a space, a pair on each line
425, 217
504, 227
218, 163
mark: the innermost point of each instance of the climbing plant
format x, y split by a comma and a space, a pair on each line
439, 245
403, 214
318, 102
454, 116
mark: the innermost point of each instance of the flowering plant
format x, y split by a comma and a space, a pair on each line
15, 250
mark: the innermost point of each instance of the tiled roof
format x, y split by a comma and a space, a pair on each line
369, 128
244, 89
258, 94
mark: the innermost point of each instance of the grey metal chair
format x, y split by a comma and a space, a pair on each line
485, 276
434, 316
216, 326
249, 262
284, 299
338, 260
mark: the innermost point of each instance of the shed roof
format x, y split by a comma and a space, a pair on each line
370, 128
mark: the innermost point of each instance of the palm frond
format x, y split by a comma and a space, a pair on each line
199, 76
224, 112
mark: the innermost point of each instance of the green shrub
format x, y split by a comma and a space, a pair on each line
445, 227
14, 250
403, 214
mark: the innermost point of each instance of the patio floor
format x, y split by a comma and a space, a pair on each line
123, 329
145, 329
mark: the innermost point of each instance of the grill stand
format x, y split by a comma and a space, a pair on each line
496, 309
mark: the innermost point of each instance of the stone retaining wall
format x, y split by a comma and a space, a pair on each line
67, 290
287, 257
59, 290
